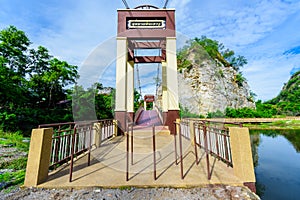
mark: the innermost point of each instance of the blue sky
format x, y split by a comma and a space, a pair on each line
266, 32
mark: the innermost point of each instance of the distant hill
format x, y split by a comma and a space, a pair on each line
288, 100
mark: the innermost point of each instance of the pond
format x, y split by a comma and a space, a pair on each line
276, 156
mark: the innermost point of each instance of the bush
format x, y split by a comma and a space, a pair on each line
217, 114
247, 113
185, 113
239, 79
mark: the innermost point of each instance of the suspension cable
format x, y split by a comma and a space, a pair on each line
166, 3
157, 80
126, 4
139, 81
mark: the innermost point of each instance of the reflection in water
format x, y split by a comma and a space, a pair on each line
276, 159
254, 144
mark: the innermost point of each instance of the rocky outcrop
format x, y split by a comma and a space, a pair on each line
208, 86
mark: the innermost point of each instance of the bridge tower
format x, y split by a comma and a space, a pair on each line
146, 27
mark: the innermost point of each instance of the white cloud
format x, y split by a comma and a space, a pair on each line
261, 30
82, 29
182, 10
266, 76
135, 3
237, 25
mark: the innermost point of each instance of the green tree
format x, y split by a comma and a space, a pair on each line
83, 103
32, 82
96, 102
13, 65
287, 102
39, 66
211, 46
104, 101
137, 101
13, 47
217, 51
59, 75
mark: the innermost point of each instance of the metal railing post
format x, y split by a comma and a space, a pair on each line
195, 144
90, 144
72, 153
127, 154
175, 141
180, 148
154, 152
131, 144
217, 143
206, 150
226, 148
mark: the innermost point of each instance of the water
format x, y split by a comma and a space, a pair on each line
276, 156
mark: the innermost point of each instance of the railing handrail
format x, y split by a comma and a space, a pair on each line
55, 124
73, 123
138, 113
159, 111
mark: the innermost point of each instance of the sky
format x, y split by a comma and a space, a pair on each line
266, 32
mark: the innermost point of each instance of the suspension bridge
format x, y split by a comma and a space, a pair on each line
147, 148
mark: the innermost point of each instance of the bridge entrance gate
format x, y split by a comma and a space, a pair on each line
142, 28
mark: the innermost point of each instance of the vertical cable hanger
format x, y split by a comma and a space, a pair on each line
166, 3
157, 80
139, 81
125, 4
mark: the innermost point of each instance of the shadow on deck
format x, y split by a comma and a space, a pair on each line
108, 166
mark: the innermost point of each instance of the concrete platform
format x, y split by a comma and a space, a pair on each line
108, 166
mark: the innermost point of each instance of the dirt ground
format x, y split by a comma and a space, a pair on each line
205, 193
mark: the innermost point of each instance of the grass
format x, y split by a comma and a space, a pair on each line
17, 164
10, 189
11, 179
125, 187
13, 140
280, 124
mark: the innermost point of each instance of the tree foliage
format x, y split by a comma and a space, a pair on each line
287, 102
239, 79
217, 51
204, 48
32, 82
37, 88
96, 102
33, 86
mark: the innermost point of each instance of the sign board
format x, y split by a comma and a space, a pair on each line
146, 24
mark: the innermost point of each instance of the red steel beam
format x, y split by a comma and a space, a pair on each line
146, 44
148, 59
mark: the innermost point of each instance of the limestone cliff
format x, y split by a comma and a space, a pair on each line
206, 85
